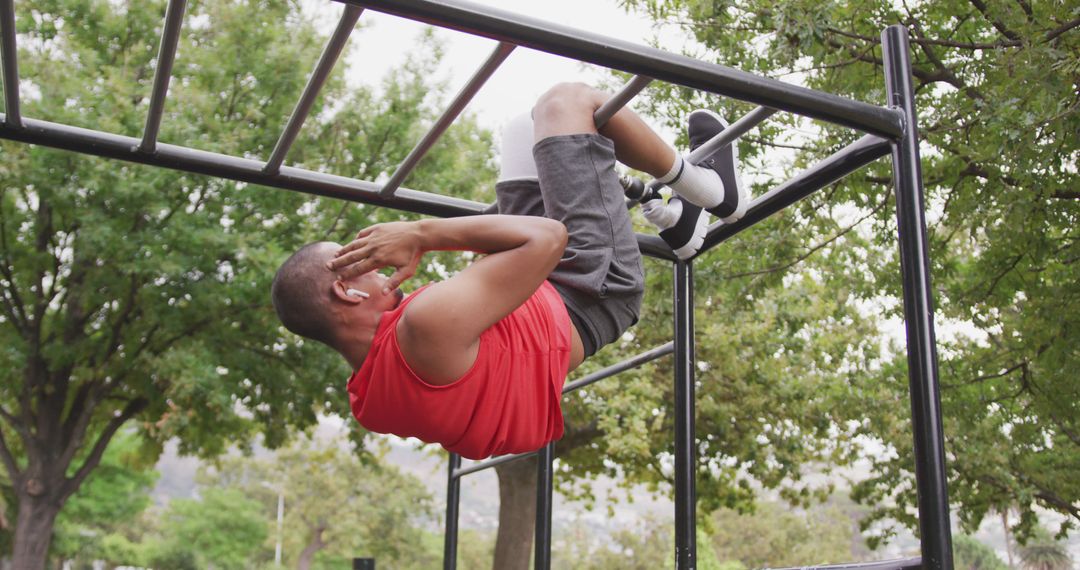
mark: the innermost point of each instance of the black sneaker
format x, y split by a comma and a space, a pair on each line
702, 126
688, 234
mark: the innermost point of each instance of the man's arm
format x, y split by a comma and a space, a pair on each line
440, 330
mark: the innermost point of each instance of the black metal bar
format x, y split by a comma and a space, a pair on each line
927, 429
685, 446
632, 362
897, 564
545, 475
732, 132
453, 501
108, 145
724, 137
638, 59
841, 163
202, 162
9, 55
497, 57
170, 36
318, 78
489, 463
620, 99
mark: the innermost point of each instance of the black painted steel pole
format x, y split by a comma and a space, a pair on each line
918, 310
453, 499
170, 36
9, 63
545, 475
685, 448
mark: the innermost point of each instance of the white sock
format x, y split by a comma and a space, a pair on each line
661, 215
517, 144
699, 185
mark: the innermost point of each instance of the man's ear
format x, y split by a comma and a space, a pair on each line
341, 292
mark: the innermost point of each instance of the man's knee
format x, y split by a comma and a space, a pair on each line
566, 108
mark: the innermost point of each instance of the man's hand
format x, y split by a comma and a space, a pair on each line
395, 244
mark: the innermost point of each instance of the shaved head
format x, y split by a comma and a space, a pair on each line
302, 290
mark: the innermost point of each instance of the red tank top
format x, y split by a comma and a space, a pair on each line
508, 402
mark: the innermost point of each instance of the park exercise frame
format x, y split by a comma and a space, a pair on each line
890, 129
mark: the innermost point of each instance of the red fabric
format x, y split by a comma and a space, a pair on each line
508, 402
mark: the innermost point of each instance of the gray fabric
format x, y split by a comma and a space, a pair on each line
600, 276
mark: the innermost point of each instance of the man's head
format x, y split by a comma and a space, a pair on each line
313, 302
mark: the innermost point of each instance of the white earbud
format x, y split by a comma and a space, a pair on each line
357, 293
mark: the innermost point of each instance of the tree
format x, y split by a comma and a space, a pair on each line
337, 505
970, 554
223, 529
1044, 552
112, 497
996, 88
138, 296
774, 536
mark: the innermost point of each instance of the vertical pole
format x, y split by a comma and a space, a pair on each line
453, 499
544, 488
280, 526
685, 449
9, 64
918, 309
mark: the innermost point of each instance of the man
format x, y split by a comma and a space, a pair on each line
477, 362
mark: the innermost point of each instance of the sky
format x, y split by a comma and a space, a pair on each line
385, 40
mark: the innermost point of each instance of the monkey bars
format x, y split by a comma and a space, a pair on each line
890, 129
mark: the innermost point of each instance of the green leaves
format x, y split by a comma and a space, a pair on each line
997, 103
134, 291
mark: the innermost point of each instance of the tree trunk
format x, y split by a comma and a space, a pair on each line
33, 531
517, 514
308, 554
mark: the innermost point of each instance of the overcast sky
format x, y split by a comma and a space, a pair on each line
385, 40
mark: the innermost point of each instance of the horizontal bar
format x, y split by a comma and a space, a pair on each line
632, 362
836, 166
315, 83
120, 147
636, 59
497, 57
170, 36
897, 564
732, 132
612, 106
725, 137
463, 471
10, 56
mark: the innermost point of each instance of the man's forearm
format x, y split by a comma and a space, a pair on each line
488, 234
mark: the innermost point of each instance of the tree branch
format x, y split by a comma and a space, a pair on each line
8, 458
74, 427
998, 24
133, 407
1053, 34
122, 319
13, 304
812, 249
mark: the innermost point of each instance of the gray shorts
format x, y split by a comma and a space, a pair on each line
600, 276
